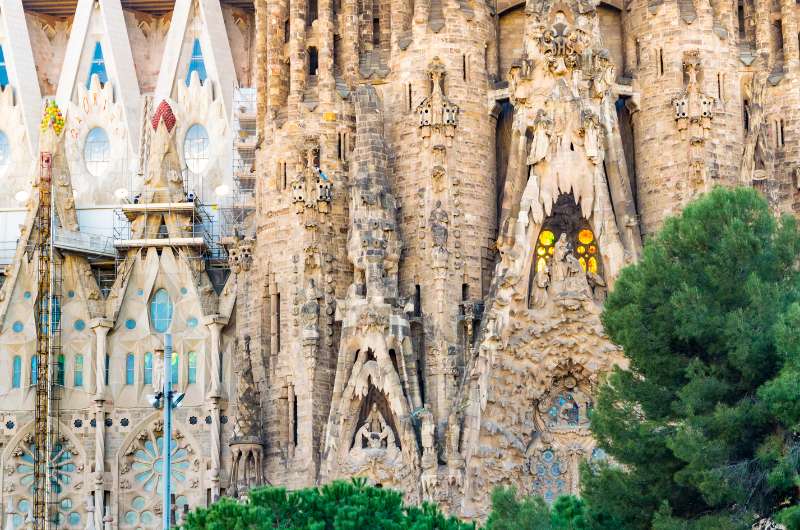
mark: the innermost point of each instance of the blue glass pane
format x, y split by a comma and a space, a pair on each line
60, 371
148, 368
17, 372
17, 326
196, 63
174, 369
3, 70
108, 363
34, 370
129, 369
161, 311
192, 374
79, 325
98, 66
78, 375
5, 151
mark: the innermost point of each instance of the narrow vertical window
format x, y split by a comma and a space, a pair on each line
129, 369
191, 375
740, 19
294, 422
278, 320
148, 368
312, 13
376, 30
77, 372
16, 371
783, 139
410, 98
417, 301
98, 66
161, 311
34, 369
175, 368
107, 367
719, 86
660, 61
313, 61
464, 67
464, 292
60, 365
746, 115
3, 70
196, 63
287, 29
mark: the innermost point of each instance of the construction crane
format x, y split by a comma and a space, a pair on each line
48, 344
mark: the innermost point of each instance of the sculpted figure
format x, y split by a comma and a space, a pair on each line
541, 281
438, 222
560, 252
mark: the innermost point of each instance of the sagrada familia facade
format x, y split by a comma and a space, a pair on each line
380, 232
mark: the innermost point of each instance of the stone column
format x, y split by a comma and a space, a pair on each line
275, 78
791, 48
101, 328
213, 396
274, 323
763, 37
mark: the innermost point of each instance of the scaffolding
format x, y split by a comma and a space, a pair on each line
48, 347
234, 212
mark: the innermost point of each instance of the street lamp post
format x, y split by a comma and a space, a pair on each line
168, 399
167, 446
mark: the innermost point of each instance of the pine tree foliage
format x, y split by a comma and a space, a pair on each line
339, 505
702, 427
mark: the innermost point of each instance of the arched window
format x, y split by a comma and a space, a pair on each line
98, 66
3, 69
191, 376
107, 367
195, 148
161, 311
60, 366
97, 152
77, 376
313, 61
175, 368
148, 368
129, 366
16, 371
196, 63
5, 152
567, 220
34, 369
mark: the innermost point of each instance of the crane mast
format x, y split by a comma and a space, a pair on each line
47, 316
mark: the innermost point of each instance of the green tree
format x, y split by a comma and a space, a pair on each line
531, 513
339, 505
704, 420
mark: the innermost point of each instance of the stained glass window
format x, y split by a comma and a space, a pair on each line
148, 368
5, 152
174, 369
161, 311
34, 369
98, 66
192, 373
582, 242
108, 365
129, 369
3, 69
78, 371
16, 371
196, 63
60, 366
195, 148
97, 152
148, 467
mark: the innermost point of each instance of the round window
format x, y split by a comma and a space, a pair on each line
5, 152
195, 148
97, 152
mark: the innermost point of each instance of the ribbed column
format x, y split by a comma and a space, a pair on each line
297, 53
324, 30
791, 48
101, 328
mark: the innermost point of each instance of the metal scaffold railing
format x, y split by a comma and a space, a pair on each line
48, 347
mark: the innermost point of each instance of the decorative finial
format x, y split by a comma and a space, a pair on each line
164, 112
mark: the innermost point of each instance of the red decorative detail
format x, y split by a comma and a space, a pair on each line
164, 112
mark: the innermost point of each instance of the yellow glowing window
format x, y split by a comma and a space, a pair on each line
585, 236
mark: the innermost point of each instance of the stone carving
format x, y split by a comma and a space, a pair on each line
758, 155
694, 111
240, 256
246, 445
436, 111
427, 436
562, 46
438, 223
375, 433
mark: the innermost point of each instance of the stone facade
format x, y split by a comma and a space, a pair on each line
383, 230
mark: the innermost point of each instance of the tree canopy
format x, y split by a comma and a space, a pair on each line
339, 505
704, 422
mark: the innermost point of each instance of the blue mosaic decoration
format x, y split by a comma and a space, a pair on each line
17, 326
130, 323
79, 325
